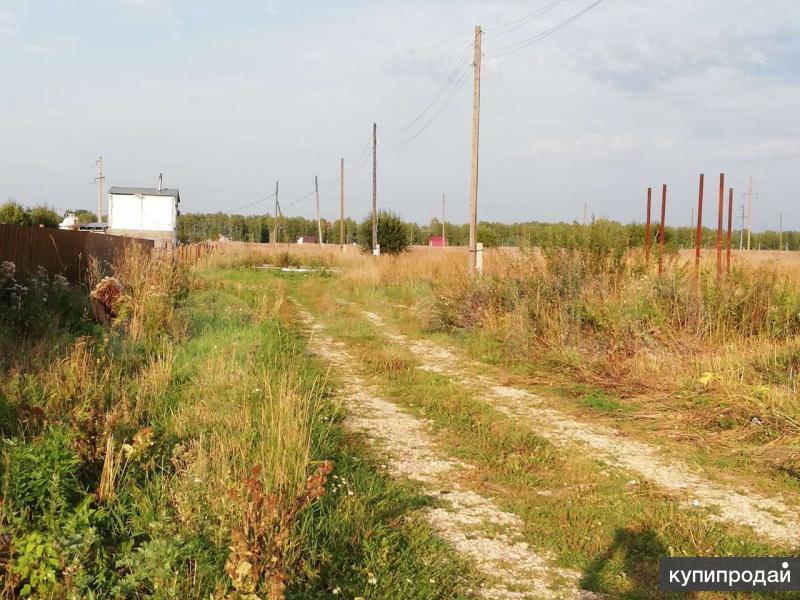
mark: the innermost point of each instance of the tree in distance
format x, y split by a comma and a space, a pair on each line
392, 233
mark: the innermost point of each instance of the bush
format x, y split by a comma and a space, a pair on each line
392, 233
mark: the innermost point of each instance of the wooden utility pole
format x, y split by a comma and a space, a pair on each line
374, 187
319, 221
719, 221
749, 210
647, 227
100, 179
444, 235
341, 203
275, 232
476, 120
699, 236
730, 230
661, 236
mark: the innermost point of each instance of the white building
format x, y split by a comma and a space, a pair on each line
70, 222
148, 213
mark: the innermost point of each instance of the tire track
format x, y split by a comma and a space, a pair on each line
770, 518
476, 527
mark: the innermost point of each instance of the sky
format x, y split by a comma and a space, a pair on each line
225, 98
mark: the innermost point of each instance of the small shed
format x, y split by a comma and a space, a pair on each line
437, 241
147, 213
307, 239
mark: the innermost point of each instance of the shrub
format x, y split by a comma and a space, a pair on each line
392, 233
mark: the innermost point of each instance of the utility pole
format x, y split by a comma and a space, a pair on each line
275, 236
100, 179
584, 214
444, 235
741, 230
476, 120
374, 188
749, 210
319, 222
341, 203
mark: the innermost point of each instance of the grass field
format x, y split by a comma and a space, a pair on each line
590, 416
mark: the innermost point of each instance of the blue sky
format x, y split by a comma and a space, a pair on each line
225, 98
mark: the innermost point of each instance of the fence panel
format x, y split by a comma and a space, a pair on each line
65, 252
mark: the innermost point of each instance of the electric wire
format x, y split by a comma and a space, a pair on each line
511, 48
392, 132
513, 25
254, 203
435, 115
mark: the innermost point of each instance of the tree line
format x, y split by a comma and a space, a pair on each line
196, 227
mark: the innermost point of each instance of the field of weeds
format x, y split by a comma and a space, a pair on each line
191, 449
197, 444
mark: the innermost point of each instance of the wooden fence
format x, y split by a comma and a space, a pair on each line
60, 251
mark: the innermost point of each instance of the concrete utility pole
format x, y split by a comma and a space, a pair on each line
476, 126
699, 236
780, 231
319, 222
375, 188
749, 210
444, 235
100, 179
275, 232
341, 204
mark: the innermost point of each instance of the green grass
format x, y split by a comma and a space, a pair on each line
237, 390
592, 517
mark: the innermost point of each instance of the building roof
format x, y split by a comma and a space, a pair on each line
144, 191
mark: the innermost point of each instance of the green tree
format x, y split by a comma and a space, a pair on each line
392, 233
83, 216
41, 215
14, 214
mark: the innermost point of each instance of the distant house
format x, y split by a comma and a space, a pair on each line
148, 213
307, 239
70, 222
437, 241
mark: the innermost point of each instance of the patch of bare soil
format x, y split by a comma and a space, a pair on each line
771, 518
477, 528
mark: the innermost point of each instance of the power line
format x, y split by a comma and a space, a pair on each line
511, 48
436, 114
442, 90
254, 203
511, 26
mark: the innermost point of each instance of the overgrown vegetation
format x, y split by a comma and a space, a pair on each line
192, 450
391, 233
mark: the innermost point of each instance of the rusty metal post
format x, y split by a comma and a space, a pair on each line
730, 231
661, 233
699, 237
719, 222
647, 227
